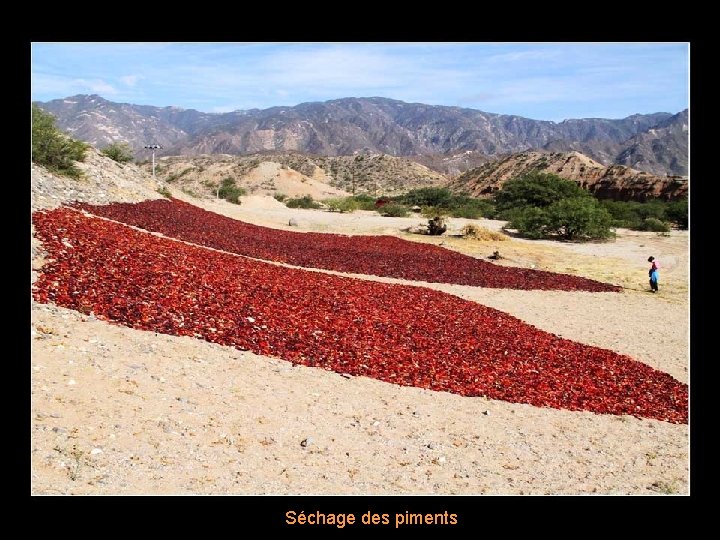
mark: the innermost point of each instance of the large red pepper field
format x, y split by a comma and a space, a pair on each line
374, 255
402, 334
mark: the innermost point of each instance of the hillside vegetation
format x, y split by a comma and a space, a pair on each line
297, 175
615, 182
53, 149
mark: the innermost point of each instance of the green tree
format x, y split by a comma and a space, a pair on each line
579, 217
118, 151
428, 196
573, 219
53, 149
530, 222
538, 190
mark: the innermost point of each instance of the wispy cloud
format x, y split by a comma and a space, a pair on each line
130, 80
548, 81
65, 86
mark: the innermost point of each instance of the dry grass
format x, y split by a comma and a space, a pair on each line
476, 232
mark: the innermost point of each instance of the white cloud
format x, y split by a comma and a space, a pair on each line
131, 80
96, 86
48, 84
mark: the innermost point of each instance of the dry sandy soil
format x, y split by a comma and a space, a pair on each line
116, 410
267, 178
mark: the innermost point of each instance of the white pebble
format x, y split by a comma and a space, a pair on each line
71, 382
95, 451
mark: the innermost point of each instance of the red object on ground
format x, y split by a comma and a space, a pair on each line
374, 255
401, 334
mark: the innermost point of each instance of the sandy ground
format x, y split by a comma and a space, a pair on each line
116, 410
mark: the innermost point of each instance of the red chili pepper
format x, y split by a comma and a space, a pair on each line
402, 334
374, 255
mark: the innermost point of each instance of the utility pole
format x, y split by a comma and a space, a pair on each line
153, 147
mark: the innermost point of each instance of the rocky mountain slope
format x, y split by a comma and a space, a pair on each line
345, 126
615, 182
297, 174
659, 149
103, 181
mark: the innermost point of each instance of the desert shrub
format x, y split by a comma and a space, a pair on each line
467, 211
471, 208
393, 210
632, 214
53, 149
230, 192
165, 192
306, 201
623, 213
481, 233
174, 176
677, 212
440, 201
654, 225
364, 202
280, 197
345, 204
118, 151
652, 209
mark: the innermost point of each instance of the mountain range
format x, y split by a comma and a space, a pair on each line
656, 143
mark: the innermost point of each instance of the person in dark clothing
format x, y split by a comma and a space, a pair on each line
653, 274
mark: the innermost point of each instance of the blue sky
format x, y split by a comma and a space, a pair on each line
541, 81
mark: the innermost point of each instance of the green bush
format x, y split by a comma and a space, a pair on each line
633, 215
538, 190
364, 202
393, 210
654, 225
118, 151
441, 202
624, 213
53, 149
165, 192
280, 197
677, 212
472, 208
342, 205
305, 201
467, 211
230, 192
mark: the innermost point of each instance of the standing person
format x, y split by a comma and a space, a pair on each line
653, 273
